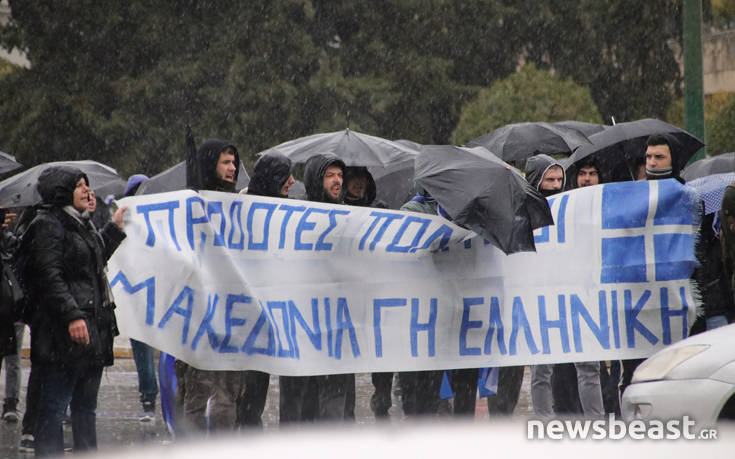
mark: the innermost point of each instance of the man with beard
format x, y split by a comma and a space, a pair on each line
547, 176
587, 173
215, 166
359, 187
564, 380
324, 397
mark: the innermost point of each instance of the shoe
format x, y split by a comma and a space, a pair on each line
10, 411
27, 444
149, 412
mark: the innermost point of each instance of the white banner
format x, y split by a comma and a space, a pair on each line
228, 281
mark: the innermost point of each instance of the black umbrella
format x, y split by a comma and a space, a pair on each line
115, 188
393, 184
619, 146
719, 164
19, 190
585, 128
354, 148
516, 142
174, 178
8, 163
484, 194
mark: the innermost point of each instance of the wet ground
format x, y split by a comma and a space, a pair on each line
118, 427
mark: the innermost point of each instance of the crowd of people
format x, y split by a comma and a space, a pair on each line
68, 240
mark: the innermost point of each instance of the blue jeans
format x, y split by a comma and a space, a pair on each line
63, 386
143, 356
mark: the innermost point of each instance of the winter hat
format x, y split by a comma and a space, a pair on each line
134, 183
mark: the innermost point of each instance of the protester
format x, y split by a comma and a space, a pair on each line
662, 150
587, 173
564, 381
359, 187
510, 378
711, 279
360, 190
547, 176
661, 153
73, 325
211, 398
143, 353
420, 390
324, 397
271, 177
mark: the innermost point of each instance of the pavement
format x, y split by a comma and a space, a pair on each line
119, 429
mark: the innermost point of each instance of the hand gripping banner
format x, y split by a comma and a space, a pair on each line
228, 281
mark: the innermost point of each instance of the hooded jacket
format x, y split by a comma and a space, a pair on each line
573, 170
271, 172
64, 274
674, 150
202, 172
536, 167
370, 189
314, 171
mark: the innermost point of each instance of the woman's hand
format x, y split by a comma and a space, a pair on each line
78, 331
118, 217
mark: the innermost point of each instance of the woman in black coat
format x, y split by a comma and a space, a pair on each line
73, 324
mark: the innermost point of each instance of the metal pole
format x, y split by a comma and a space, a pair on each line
693, 86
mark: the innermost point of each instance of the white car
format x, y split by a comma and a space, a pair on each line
694, 377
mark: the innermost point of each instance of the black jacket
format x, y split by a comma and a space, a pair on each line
711, 278
314, 171
7, 310
536, 166
202, 172
65, 277
270, 173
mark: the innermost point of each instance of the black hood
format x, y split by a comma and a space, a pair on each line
537, 165
271, 172
370, 192
573, 170
203, 174
314, 171
675, 151
56, 185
